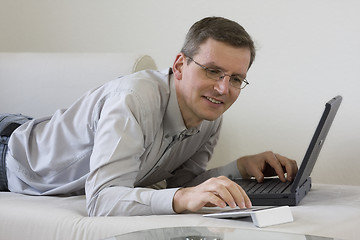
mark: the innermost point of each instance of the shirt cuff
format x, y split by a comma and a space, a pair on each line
230, 170
162, 201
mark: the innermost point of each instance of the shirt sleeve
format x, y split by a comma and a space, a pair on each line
125, 201
115, 162
230, 170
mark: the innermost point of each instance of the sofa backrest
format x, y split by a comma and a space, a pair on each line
37, 84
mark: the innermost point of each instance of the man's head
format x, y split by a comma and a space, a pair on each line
211, 69
219, 29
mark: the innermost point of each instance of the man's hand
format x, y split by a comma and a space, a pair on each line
213, 192
267, 164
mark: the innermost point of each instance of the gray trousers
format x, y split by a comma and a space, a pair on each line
8, 124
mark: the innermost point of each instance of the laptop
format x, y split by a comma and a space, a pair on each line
273, 192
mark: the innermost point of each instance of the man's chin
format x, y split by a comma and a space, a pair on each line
212, 118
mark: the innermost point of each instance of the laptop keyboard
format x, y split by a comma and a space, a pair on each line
272, 185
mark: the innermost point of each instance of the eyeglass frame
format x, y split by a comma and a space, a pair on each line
207, 70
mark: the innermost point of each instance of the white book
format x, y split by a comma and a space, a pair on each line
261, 216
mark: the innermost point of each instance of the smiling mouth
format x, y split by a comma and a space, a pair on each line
213, 100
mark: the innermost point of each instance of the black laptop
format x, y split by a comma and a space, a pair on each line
273, 192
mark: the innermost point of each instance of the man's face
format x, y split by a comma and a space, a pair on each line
201, 98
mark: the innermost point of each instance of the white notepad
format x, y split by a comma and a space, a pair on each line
261, 216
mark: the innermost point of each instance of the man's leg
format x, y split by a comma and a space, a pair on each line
3, 150
8, 124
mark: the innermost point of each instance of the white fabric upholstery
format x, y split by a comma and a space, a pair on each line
37, 84
329, 211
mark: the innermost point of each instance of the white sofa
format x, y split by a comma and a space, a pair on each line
38, 83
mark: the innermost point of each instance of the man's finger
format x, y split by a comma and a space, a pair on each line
245, 201
289, 165
275, 163
230, 192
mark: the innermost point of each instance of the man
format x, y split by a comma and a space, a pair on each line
120, 141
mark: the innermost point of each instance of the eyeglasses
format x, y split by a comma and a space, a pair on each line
236, 81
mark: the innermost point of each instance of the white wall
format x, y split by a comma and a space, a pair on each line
308, 52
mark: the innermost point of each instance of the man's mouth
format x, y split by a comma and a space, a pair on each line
213, 100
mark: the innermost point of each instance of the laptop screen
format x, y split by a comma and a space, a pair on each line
317, 142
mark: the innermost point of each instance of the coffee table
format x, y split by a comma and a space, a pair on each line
211, 233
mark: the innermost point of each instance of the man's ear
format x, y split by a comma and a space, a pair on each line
178, 65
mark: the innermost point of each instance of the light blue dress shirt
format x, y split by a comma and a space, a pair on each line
113, 143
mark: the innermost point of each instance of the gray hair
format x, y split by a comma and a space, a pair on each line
219, 29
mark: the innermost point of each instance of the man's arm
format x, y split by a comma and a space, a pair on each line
221, 191
115, 162
267, 164
128, 201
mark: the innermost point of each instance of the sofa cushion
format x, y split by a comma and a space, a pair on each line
37, 84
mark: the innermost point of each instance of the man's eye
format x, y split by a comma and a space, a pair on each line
214, 71
237, 79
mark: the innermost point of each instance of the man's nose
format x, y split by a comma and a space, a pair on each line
222, 85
